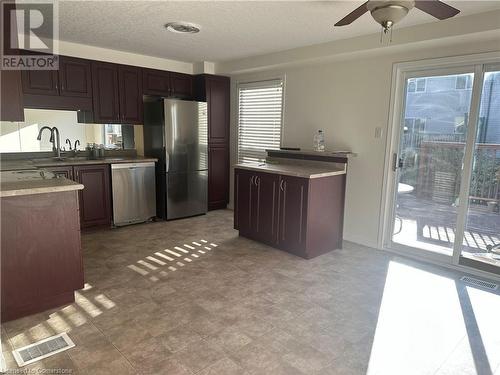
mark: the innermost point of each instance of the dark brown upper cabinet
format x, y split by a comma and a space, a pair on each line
131, 106
167, 84
40, 82
117, 94
215, 90
181, 85
11, 87
75, 77
68, 88
156, 82
106, 99
218, 109
11, 96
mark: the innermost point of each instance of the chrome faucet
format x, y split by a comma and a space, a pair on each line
56, 141
58, 144
74, 149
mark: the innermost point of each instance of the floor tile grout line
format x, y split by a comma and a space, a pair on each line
464, 337
114, 346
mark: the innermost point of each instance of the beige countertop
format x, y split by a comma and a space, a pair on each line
26, 177
14, 165
295, 170
33, 181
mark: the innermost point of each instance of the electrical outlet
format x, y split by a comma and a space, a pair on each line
378, 132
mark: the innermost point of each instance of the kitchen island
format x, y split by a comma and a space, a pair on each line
295, 204
41, 261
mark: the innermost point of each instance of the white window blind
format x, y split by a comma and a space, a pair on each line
260, 116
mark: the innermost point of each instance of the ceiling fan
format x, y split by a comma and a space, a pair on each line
389, 12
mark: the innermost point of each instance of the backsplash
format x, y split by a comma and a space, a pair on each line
22, 136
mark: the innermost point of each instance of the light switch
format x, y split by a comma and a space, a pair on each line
378, 132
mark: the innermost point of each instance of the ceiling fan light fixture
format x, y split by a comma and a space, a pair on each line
182, 28
389, 15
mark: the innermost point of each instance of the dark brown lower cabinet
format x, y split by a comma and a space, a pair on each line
264, 207
218, 176
293, 213
299, 215
41, 261
256, 210
95, 198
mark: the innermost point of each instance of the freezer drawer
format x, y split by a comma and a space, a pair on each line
186, 194
134, 192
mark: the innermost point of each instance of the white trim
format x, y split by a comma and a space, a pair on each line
3, 365
400, 72
468, 160
449, 62
434, 261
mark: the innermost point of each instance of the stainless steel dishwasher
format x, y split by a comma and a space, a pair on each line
134, 192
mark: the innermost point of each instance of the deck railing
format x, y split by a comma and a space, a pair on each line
434, 166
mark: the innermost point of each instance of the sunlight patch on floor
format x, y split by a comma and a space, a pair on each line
152, 265
420, 322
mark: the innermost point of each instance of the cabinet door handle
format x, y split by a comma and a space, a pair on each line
251, 180
281, 185
257, 180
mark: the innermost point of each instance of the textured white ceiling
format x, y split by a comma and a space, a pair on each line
229, 29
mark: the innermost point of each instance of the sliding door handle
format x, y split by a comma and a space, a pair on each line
397, 162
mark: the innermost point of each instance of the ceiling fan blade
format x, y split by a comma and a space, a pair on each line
436, 8
353, 16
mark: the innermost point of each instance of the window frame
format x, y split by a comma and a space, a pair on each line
258, 83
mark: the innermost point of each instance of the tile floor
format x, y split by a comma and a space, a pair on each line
190, 297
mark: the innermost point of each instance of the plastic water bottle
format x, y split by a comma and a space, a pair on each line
319, 141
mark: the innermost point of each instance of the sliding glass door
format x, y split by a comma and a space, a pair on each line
481, 240
446, 193
432, 147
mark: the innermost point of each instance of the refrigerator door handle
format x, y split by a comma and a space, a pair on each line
167, 161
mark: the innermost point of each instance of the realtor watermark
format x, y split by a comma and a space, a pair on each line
30, 35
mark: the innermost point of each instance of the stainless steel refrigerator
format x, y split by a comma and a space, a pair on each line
176, 132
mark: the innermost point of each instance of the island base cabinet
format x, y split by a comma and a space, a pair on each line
299, 215
256, 197
293, 214
41, 262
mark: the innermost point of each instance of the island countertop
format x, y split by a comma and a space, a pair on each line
33, 181
295, 170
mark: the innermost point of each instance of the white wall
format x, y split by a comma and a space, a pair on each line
121, 57
21, 136
348, 100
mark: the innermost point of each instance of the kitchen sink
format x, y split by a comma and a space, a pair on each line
61, 159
